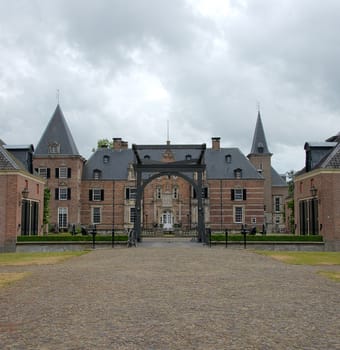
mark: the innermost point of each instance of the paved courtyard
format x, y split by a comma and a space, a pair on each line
170, 296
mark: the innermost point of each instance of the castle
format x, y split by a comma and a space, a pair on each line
236, 189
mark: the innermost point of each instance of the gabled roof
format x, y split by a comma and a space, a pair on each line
259, 145
57, 132
8, 161
332, 160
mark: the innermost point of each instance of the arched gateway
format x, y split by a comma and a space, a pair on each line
190, 168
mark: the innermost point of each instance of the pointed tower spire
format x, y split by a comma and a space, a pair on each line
57, 137
259, 145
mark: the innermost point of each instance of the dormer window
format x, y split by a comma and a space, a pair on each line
54, 148
238, 173
106, 159
97, 174
228, 158
260, 147
188, 157
147, 157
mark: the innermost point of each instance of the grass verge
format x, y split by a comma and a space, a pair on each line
304, 258
9, 277
22, 259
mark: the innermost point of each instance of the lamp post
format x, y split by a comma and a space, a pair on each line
314, 204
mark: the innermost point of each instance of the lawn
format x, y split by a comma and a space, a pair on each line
21, 259
309, 258
24, 259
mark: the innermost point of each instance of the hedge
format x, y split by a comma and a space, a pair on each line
63, 238
266, 238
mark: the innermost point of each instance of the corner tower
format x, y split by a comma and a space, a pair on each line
58, 161
260, 157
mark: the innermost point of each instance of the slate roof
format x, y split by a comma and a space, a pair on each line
217, 166
8, 161
332, 160
277, 179
259, 139
57, 131
23, 153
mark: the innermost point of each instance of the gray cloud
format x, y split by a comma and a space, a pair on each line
126, 67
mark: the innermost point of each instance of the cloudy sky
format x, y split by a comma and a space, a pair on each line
129, 68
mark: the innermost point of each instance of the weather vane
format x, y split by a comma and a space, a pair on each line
58, 95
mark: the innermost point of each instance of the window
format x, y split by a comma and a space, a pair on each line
44, 172
96, 215
175, 193
260, 147
277, 203
238, 194
159, 193
54, 148
146, 157
106, 159
96, 194
188, 157
238, 173
97, 174
62, 193
62, 173
132, 215
130, 193
62, 217
238, 215
228, 158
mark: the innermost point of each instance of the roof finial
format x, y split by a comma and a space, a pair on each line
167, 133
58, 96
258, 107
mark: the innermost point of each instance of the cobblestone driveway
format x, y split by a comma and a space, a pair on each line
170, 297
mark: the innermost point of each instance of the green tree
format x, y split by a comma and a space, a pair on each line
104, 143
47, 197
290, 202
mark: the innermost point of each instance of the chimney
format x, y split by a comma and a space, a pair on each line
216, 143
117, 143
124, 145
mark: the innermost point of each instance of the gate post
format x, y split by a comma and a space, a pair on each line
201, 224
138, 219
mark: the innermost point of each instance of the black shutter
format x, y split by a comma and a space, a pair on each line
205, 192
232, 194
102, 195
244, 194
194, 193
48, 173
56, 194
57, 173
36, 170
69, 173
90, 195
68, 193
127, 193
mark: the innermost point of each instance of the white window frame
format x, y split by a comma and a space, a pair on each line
238, 194
63, 193
42, 172
96, 194
63, 172
238, 214
132, 214
96, 215
62, 217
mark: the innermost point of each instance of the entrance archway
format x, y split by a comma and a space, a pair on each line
190, 168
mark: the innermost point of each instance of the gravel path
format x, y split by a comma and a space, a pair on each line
161, 297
